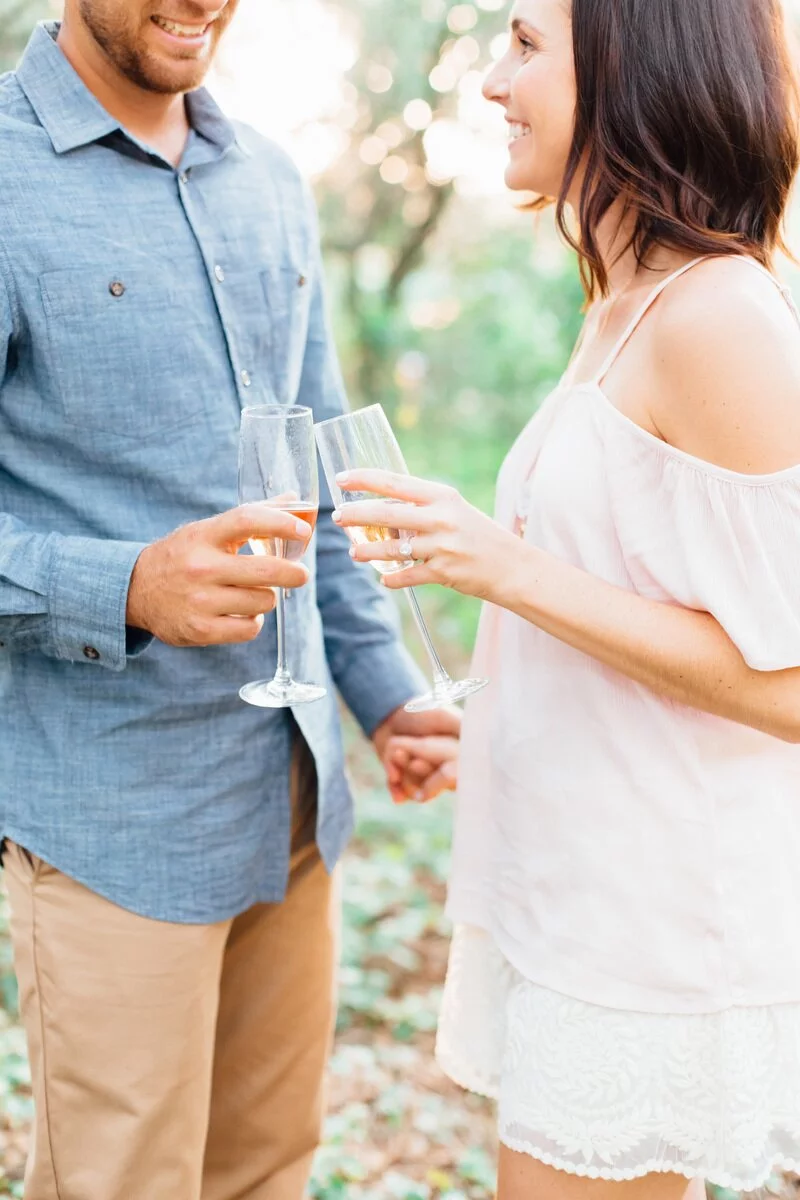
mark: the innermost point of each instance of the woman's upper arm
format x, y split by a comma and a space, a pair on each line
726, 370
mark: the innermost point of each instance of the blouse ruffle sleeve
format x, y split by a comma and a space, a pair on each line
712, 540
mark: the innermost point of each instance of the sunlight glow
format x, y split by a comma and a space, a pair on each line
282, 69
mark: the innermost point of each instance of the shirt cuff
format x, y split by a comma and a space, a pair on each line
379, 680
88, 601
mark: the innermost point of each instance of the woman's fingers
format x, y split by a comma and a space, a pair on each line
394, 773
405, 550
443, 780
392, 485
380, 514
398, 755
416, 576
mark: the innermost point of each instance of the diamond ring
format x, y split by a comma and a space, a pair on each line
407, 549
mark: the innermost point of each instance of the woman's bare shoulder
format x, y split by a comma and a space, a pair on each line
725, 355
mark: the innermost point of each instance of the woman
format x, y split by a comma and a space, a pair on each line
625, 974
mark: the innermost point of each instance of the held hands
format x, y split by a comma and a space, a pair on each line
452, 543
419, 753
193, 589
429, 763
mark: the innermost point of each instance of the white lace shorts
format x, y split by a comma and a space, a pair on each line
619, 1095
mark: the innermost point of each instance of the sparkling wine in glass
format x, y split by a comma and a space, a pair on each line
278, 465
365, 440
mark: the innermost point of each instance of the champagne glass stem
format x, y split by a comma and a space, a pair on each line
282, 675
440, 676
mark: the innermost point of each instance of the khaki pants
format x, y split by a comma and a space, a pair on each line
176, 1062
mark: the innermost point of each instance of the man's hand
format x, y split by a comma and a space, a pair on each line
193, 589
416, 776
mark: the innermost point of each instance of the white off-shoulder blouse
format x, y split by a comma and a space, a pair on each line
621, 848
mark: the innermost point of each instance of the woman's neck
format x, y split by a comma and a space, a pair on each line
625, 273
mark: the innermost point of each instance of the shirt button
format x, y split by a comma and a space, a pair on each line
219, 273
301, 281
246, 379
184, 176
90, 653
117, 289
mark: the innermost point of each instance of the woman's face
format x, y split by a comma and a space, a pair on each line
535, 84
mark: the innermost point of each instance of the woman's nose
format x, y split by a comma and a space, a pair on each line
497, 82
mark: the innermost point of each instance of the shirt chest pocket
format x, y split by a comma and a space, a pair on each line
115, 361
287, 290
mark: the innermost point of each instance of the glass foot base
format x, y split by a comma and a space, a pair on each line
270, 694
446, 693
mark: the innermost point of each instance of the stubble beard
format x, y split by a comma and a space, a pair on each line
136, 63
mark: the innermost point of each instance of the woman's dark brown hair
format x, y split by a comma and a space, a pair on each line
687, 111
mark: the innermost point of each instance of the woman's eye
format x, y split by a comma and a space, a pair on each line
526, 46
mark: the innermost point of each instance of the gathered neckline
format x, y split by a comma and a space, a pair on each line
698, 464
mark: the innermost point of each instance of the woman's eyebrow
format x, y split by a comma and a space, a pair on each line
519, 23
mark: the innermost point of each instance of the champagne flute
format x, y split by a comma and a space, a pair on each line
361, 440
278, 464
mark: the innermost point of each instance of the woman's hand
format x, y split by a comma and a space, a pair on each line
433, 761
449, 541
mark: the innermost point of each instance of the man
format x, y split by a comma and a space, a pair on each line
167, 848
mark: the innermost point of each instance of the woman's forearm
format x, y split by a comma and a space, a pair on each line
676, 652
683, 655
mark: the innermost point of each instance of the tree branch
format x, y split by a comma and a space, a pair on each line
410, 252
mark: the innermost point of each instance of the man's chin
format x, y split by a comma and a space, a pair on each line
170, 77
171, 71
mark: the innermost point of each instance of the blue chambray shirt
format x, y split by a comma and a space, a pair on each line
140, 309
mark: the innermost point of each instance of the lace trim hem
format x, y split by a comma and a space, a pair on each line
714, 1098
465, 1076
719, 1179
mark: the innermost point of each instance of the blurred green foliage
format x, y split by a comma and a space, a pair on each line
16, 20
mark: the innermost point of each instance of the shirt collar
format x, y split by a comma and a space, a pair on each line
72, 116
68, 111
207, 119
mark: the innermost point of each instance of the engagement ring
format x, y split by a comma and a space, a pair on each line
407, 549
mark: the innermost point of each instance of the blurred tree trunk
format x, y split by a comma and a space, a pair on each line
381, 204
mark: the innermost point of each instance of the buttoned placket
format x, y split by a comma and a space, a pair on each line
215, 269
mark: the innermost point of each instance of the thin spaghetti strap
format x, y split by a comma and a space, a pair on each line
641, 314
784, 290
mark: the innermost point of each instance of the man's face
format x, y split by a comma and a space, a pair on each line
163, 46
